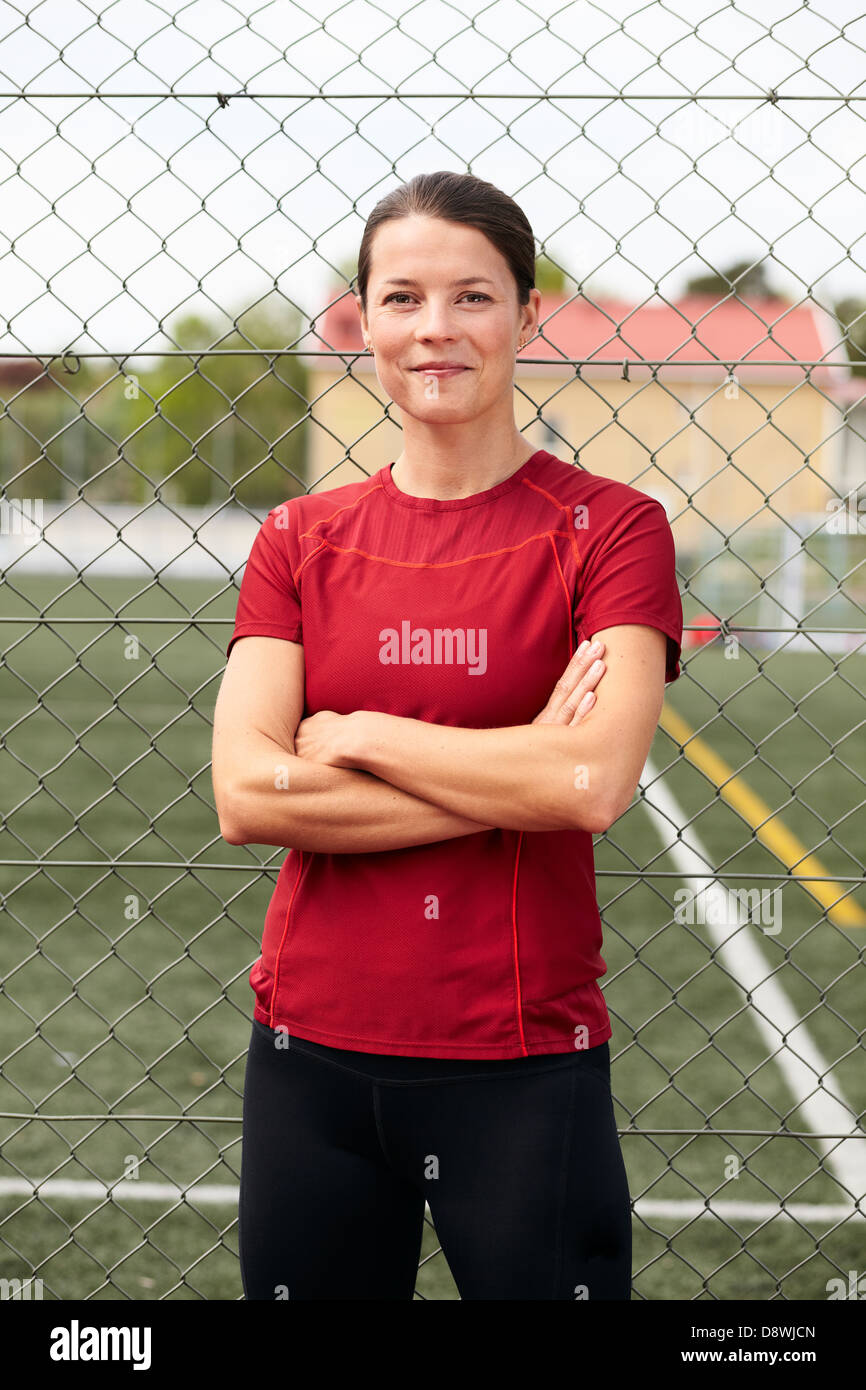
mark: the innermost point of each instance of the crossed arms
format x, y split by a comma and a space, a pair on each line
371, 781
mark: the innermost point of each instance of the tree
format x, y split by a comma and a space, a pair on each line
551, 278
747, 280
48, 445
211, 427
851, 314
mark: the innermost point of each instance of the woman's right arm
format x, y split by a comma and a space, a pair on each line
265, 795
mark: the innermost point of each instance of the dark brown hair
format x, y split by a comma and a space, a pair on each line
457, 198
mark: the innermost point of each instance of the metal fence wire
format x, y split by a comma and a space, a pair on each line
181, 195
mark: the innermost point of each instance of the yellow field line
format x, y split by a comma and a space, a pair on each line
767, 825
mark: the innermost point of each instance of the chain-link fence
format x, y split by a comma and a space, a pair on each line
181, 196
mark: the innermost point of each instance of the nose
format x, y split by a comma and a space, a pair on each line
435, 321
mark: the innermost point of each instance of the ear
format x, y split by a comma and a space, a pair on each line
365, 328
529, 326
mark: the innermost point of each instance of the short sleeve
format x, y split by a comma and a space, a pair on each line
268, 603
628, 575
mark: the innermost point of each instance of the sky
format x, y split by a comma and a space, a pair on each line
121, 213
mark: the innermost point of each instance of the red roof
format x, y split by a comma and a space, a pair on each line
695, 329
22, 371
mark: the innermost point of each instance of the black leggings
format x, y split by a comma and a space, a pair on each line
519, 1161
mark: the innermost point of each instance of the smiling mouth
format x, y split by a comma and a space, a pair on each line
439, 371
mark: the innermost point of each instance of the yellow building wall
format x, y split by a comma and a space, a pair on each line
742, 453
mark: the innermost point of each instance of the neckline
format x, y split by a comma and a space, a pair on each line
448, 504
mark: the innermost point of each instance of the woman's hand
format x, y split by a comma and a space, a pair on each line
325, 737
573, 696
337, 739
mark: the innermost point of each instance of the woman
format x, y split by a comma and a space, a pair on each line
428, 1024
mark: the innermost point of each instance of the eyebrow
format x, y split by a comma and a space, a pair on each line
467, 280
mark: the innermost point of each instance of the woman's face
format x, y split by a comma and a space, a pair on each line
431, 317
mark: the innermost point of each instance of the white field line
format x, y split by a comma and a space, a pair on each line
226, 1194
772, 1013
815, 1091
687, 1208
87, 1189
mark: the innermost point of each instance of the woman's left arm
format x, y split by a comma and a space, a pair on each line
524, 776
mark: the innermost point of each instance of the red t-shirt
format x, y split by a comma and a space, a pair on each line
487, 945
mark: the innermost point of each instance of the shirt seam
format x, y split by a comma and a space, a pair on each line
258, 624
434, 564
336, 1039
515, 961
422, 504
658, 620
640, 618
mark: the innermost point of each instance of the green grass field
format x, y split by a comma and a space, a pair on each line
126, 987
